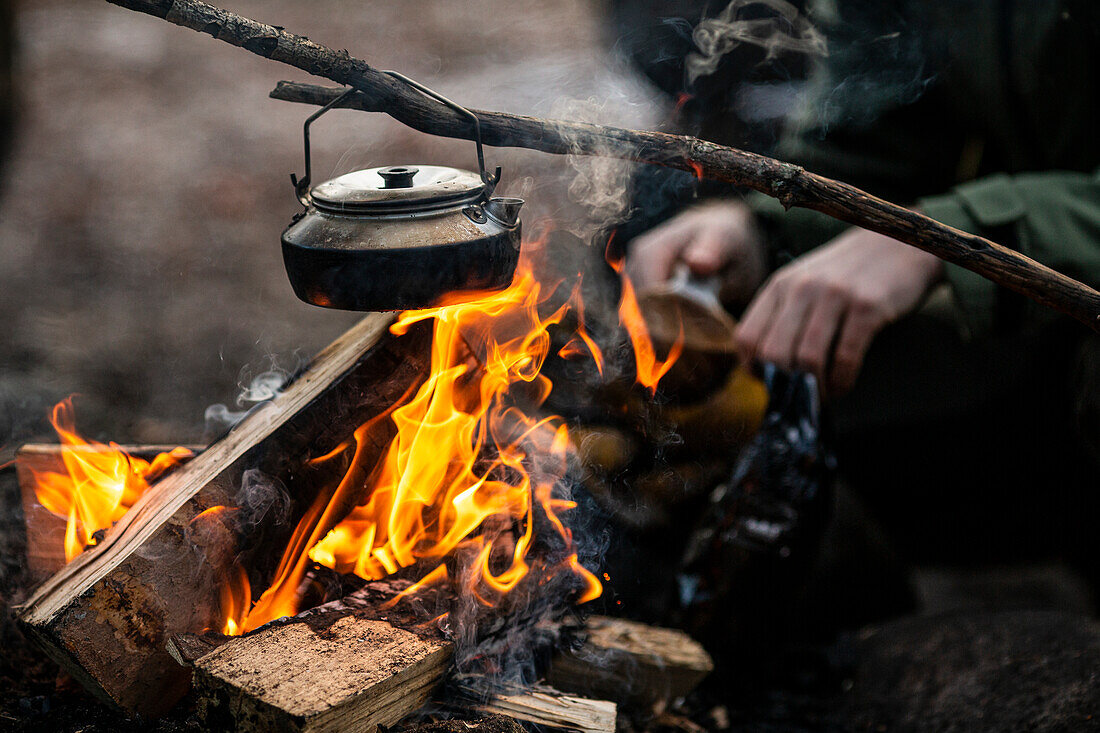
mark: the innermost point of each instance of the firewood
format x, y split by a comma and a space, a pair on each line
354, 673
790, 184
352, 664
545, 706
46, 530
641, 667
107, 615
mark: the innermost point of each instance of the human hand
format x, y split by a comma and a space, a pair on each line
820, 312
717, 238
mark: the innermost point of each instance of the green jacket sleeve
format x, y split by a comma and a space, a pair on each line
1052, 217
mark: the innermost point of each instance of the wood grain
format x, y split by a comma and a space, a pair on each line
634, 664
353, 675
544, 706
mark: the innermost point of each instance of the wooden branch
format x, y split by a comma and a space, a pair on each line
46, 530
791, 184
641, 667
108, 614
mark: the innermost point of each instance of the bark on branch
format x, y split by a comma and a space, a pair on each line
790, 184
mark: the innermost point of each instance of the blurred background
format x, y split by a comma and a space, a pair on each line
146, 183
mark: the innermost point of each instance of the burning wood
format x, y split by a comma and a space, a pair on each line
335, 667
450, 478
59, 511
354, 674
107, 615
358, 662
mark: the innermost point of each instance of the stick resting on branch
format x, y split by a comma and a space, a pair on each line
790, 184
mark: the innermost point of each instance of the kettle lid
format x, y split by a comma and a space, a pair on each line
398, 189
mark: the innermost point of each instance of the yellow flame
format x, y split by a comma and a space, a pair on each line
456, 474
100, 482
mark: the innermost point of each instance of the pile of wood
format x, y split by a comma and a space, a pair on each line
131, 618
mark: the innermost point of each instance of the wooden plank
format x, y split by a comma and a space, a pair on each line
545, 706
350, 674
634, 664
46, 530
107, 615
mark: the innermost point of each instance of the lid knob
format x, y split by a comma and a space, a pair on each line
398, 176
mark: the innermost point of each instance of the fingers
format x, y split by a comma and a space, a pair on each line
708, 252
706, 238
797, 322
814, 351
757, 320
862, 321
653, 254
779, 344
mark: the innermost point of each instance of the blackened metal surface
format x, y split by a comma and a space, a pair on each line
396, 278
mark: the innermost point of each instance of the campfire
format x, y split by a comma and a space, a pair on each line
443, 518
414, 527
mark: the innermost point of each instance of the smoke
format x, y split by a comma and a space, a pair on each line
601, 183
262, 502
228, 536
773, 25
254, 391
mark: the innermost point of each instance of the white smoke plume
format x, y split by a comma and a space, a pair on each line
774, 25
601, 183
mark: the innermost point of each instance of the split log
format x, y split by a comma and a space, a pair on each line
107, 615
46, 530
353, 674
547, 707
640, 667
790, 184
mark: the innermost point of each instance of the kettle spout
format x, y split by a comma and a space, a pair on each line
504, 210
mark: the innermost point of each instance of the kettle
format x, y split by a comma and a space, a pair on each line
400, 236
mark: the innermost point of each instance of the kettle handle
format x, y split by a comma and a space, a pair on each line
301, 185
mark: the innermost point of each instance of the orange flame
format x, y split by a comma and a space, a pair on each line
649, 368
464, 473
100, 482
437, 485
581, 341
236, 593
